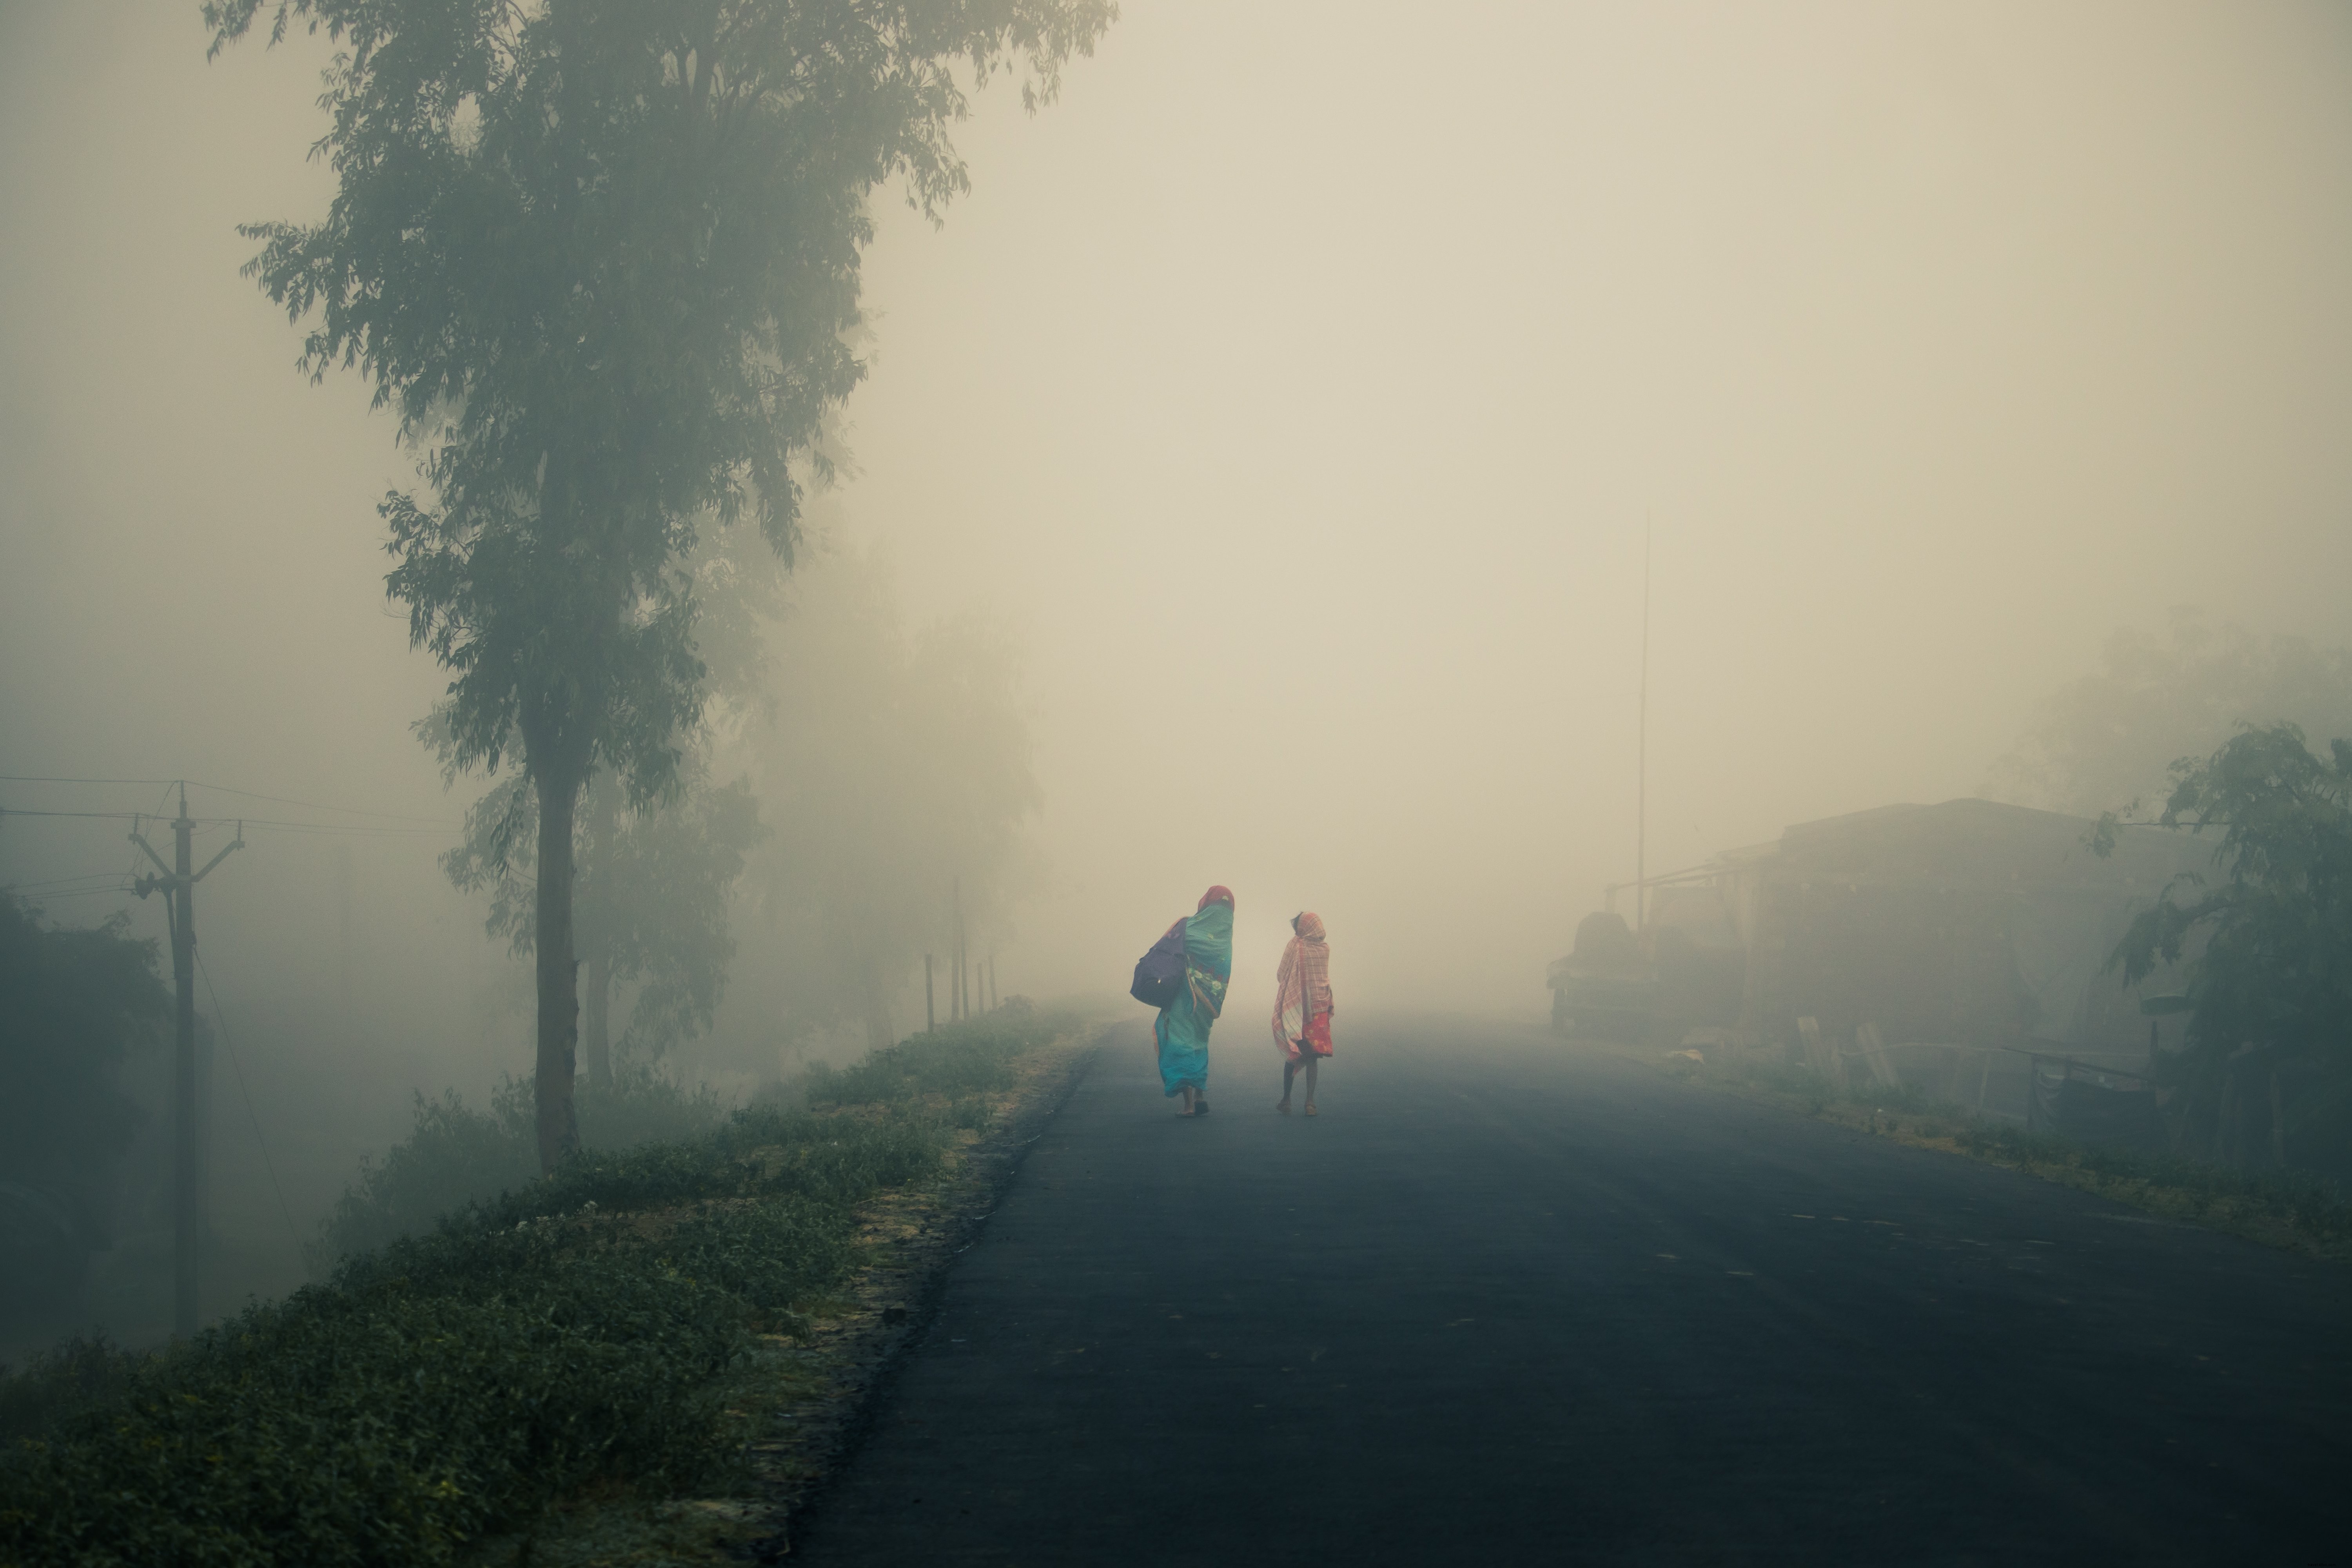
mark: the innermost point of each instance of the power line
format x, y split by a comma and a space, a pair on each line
224, 789
439, 829
312, 805
436, 831
115, 815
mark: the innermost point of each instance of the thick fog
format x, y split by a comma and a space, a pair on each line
1289, 402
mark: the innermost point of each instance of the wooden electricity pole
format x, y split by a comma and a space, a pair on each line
931, 1019
179, 886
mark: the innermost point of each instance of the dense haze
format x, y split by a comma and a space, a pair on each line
1293, 393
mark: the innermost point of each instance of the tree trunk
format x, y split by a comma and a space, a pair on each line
559, 1000
598, 1021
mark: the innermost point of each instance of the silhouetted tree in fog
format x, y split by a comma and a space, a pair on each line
600, 257
652, 896
2271, 988
2107, 738
74, 1005
896, 765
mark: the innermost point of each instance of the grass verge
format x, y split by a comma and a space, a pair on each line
2305, 1214
625, 1333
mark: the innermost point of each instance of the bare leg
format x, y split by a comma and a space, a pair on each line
1187, 1092
1289, 1070
1312, 1061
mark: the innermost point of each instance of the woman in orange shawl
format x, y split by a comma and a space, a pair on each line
1302, 1006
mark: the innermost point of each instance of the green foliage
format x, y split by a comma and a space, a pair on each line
77, 1004
603, 260
455, 1155
650, 906
79, 1374
2314, 1205
570, 1330
955, 1062
2274, 974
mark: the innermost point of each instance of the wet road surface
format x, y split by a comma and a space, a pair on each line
1509, 1301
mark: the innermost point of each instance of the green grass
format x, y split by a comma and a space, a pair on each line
2298, 1207
455, 1154
570, 1331
2313, 1205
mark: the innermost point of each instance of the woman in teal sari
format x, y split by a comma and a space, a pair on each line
1182, 1026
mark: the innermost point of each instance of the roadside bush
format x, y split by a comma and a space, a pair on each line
2314, 1204
63, 1381
969, 1058
454, 1154
454, 1381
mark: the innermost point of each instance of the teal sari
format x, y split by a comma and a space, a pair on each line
1183, 1029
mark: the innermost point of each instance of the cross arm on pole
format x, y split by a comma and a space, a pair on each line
136, 837
226, 851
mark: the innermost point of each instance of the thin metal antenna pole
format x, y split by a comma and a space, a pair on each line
1641, 762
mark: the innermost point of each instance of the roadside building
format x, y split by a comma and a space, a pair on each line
1948, 946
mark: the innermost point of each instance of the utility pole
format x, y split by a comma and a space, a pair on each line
1641, 762
179, 886
930, 1019
343, 933
959, 1010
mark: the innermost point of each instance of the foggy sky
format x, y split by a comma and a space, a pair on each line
1296, 389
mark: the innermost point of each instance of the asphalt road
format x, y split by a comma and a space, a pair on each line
1510, 1302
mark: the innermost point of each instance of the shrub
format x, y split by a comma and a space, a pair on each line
451, 1381
2314, 1204
455, 1155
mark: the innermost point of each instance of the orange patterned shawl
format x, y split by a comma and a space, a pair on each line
1304, 975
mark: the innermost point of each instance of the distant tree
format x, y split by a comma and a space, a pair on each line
900, 769
2274, 979
600, 258
2112, 737
651, 902
74, 1005
653, 881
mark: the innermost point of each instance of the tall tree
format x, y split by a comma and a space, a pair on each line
2274, 978
653, 881
74, 1005
902, 772
651, 902
600, 257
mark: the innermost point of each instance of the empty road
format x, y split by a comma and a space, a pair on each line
1509, 1301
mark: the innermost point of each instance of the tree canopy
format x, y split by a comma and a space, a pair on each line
74, 1005
2274, 975
601, 258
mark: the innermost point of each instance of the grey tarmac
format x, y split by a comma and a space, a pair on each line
1511, 1301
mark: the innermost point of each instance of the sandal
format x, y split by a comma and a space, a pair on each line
1200, 1107
1283, 1106
1310, 1108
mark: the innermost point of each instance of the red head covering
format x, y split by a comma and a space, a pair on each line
1220, 894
